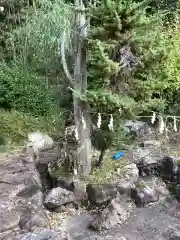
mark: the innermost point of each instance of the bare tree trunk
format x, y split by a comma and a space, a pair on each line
81, 114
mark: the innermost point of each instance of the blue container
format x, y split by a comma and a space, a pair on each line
117, 155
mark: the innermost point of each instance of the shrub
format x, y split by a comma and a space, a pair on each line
23, 90
14, 126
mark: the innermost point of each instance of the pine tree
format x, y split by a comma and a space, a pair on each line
126, 50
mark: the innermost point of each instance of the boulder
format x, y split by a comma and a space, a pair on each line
147, 159
172, 233
143, 194
130, 173
124, 187
57, 197
151, 143
9, 220
40, 234
138, 128
65, 181
80, 191
33, 217
20, 194
101, 193
115, 213
169, 168
39, 142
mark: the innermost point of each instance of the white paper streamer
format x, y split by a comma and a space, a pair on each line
84, 122
76, 133
153, 118
175, 124
161, 125
99, 120
110, 125
75, 171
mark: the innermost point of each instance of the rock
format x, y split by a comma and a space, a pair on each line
47, 181
65, 181
138, 128
33, 218
101, 193
149, 190
177, 191
57, 197
169, 168
151, 143
41, 234
9, 220
147, 159
30, 189
173, 233
39, 141
124, 187
161, 190
130, 173
20, 194
143, 194
80, 191
115, 213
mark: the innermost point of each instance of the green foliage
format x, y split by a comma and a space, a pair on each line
37, 41
172, 70
23, 90
144, 86
31, 81
14, 126
108, 173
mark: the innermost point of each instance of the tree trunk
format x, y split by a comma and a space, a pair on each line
81, 114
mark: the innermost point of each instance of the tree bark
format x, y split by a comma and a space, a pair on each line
81, 113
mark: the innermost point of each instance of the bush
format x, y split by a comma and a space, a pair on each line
14, 126
23, 90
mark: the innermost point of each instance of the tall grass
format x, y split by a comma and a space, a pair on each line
35, 48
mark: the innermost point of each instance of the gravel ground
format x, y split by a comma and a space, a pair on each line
144, 224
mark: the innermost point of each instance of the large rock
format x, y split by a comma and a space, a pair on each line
115, 213
147, 159
129, 172
80, 191
148, 191
144, 193
65, 181
124, 187
137, 128
169, 168
172, 233
57, 197
33, 217
39, 142
101, 193
20, 194
151, 143
40, 234
9, 220
47, 156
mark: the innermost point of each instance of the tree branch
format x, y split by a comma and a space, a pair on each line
63, 60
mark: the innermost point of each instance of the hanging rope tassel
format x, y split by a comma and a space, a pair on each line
175, 124
161, 125
110, 125
84, 122
153, 119
99, 120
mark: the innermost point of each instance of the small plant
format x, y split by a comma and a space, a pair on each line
108, 173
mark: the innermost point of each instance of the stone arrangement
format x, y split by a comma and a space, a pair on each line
28, 191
